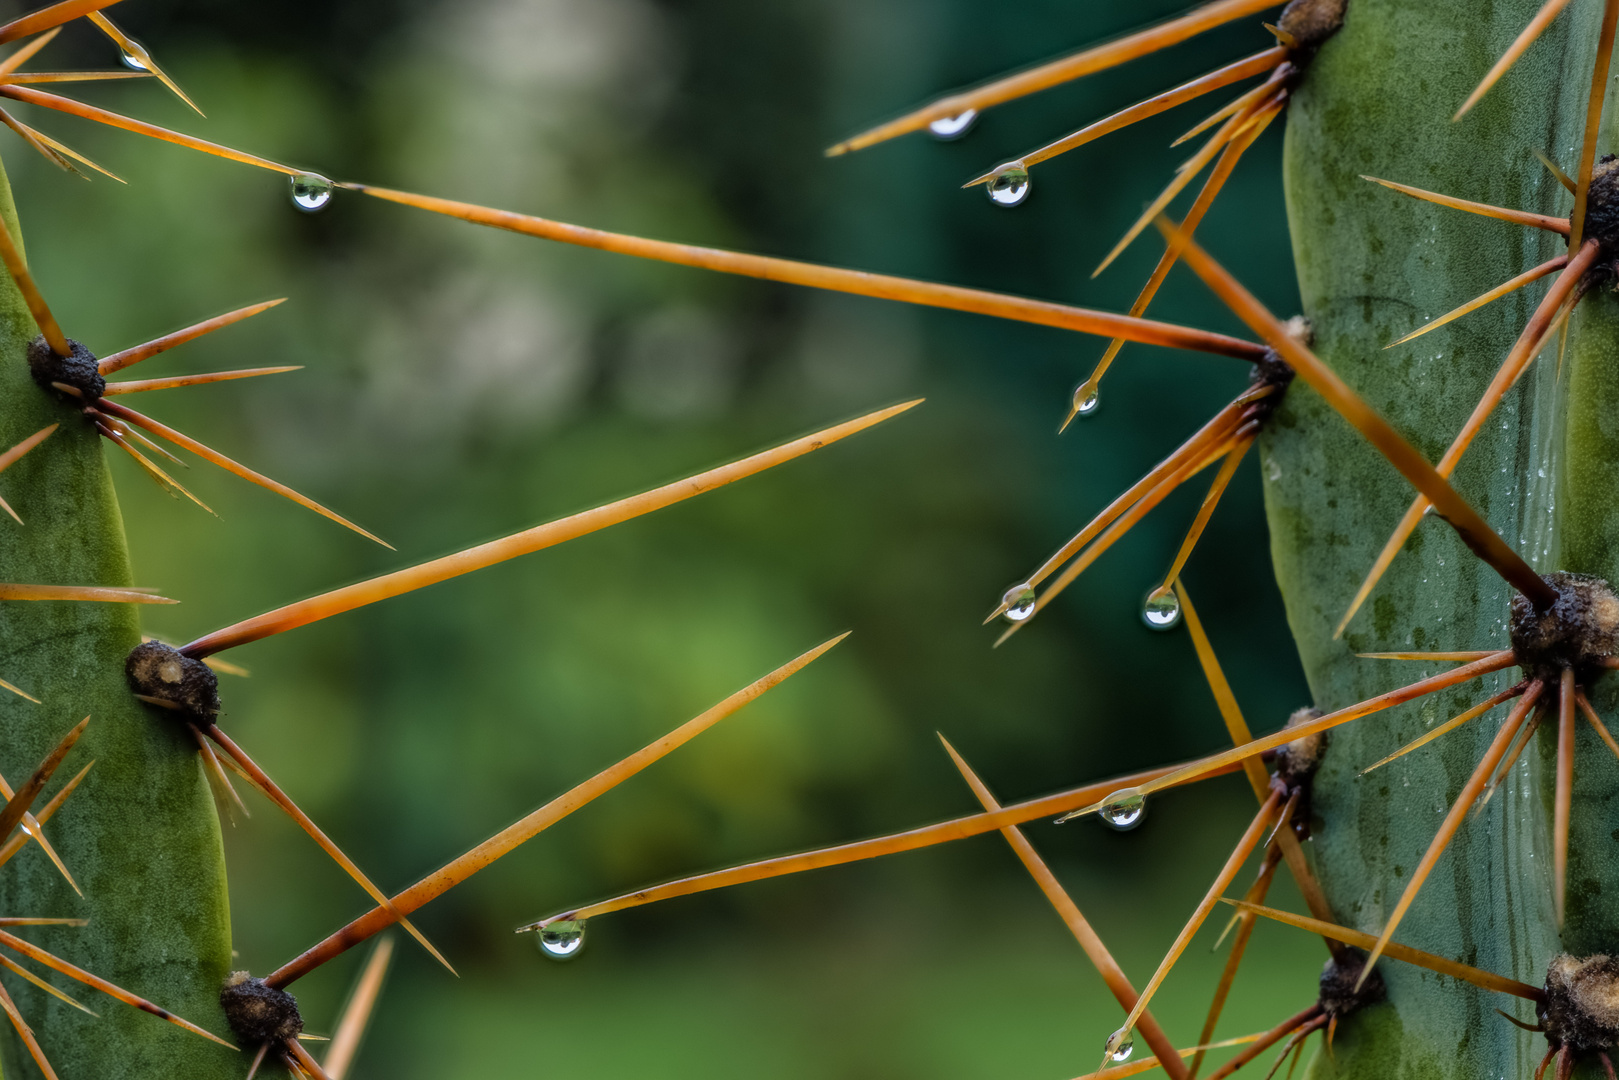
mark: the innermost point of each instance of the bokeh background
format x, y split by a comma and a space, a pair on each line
460, 384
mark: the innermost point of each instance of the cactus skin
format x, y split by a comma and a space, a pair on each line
1371, 268
140, 835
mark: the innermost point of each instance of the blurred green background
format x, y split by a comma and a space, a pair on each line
460, 384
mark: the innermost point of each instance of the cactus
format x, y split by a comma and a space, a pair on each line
1507, 901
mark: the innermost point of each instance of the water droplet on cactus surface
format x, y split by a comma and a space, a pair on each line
1120, 1045
134, 57
563, 939
946, 128
1019, 601
310, 191
1009, 186
1161, 610
1124, 810
1086, 399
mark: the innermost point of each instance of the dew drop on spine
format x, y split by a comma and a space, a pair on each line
1010, 185
1019, 601
1087, 399
1123, 810
563, 939
1161, 610
310, 191
1120, 1045
946, 128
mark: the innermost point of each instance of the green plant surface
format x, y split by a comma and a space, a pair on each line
140, 835
1372, 266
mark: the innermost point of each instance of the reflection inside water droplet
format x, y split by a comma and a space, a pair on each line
135, 56
310, 191
1019, 601
1124, 810
1009, 186
1120, 1045
1161, 610
946, 128
1087, 399
563, 939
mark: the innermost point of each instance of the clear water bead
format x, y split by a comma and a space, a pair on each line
1120, 1045
1086, 399
1019, 601
135, 56
563, 939
1010, 185
310, 191
946, 128
1161, 610
1124, 810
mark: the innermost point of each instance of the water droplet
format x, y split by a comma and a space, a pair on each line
1120, 1045
1010, 184
562, 939
1019, 601
135, 57
310, 191
1124, 810
946, 128
1087, 399
1161, 610
1274, 470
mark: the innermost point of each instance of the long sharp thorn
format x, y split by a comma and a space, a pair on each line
1217, 431
1297, 1041
1519, 745
911, 840
33, 139
1097, 952
1545, 1061
258, 1059
48, 18
12, 456
1232, 758
1237, 727
132, 48
1593, 121
1448, 726
123, 412
37, 78
307, 824
1244, 922
1464, 657
357, 1013
217, 778
1112, 535
140, 386
1453, 820
1556, 170
161, 478
1226, 111
1057, 72
836, 279
523, 543
26, 1034
1473, 529
1256, 115
1537, 26
17, 969
67, 151
1266, 1041
19, 804
1217, 487
38, 955
1485, 980
1256, 64
93, 593
1596, 722
15, 844
17, 266
1564, 791
1205, 199
1500, 213
32, 830
129, 357
515, 835
306, 1060
1239, 855
17, 59
20, 693
1528, 276
1523, 352
140, 127
14, 515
